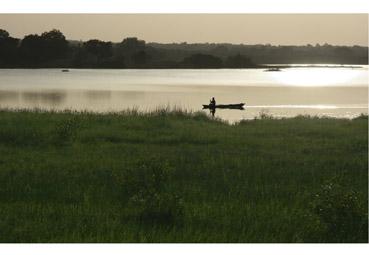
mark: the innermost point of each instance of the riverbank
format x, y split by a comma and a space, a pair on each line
172, 176
257, 66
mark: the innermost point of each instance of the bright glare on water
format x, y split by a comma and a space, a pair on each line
318, 76
329, 91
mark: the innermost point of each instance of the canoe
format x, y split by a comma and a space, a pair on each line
274, 69
224, 106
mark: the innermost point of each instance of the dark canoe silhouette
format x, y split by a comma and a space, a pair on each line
224, 106
274, 69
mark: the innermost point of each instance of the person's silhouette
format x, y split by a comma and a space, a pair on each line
212, 102
212, 106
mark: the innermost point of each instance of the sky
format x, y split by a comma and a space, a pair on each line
275, 29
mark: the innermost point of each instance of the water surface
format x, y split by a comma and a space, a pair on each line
329, 91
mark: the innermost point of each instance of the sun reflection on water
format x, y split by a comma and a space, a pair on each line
314, 77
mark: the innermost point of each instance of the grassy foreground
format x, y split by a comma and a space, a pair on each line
181, 177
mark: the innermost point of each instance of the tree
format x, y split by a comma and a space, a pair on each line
49, 46
133, 51
239, 61
32, 48
132, 45
54, 43
140, 58
99, 48
8, 48
202, 61
3, 34
96, 53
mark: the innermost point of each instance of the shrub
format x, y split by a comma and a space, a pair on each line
147, 187
264, 114
66, 131
340, 217
362, 116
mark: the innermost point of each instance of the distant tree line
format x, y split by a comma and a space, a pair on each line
52, 49
270, 54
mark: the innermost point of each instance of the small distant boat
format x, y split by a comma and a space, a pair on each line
273, 69
65, 70
224, 106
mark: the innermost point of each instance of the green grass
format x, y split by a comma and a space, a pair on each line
174, 176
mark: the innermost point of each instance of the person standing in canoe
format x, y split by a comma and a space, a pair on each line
212, 103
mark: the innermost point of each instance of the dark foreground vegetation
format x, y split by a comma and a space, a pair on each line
171, 176
52, 50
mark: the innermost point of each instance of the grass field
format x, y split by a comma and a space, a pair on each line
172, 176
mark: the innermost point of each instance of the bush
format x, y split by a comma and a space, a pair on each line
147, 187
265, 115
340, 217
362, 116
66, 131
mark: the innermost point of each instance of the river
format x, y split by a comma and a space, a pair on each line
323, 90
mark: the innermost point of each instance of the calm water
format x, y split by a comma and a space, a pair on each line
338, 92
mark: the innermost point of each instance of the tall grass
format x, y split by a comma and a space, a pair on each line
177, 176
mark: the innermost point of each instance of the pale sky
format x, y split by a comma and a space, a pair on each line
276, 29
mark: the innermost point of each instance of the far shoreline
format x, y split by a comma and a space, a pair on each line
263, 66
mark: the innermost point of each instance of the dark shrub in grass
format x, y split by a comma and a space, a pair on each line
66, 131
361, 117
341, 217
147, 187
